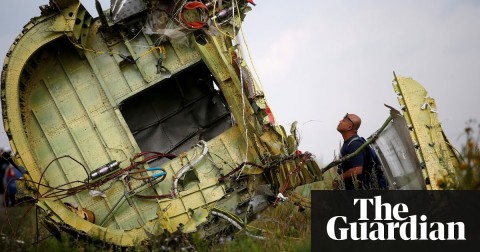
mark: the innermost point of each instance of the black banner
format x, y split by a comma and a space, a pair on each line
395, 221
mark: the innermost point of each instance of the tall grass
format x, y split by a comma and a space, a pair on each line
286, 229
470, 163
18, 232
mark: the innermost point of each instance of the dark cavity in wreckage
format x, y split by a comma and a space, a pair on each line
146, 121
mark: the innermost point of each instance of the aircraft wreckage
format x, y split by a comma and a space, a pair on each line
146, 120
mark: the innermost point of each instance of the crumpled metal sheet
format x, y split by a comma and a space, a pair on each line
121, 9
397, 154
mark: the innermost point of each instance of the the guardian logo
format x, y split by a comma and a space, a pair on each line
390, 223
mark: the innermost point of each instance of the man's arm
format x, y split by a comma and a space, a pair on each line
348, 176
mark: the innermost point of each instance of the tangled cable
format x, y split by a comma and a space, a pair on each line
202, 11
59, 192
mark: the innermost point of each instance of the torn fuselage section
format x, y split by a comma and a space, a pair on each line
143, 131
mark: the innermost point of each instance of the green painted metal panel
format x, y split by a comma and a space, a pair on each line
63, 88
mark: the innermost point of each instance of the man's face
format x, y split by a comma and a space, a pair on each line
345, 124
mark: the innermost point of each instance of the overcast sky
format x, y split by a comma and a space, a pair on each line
321, 59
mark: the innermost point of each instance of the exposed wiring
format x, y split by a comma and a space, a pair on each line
216, 24
188, 167
239, 63
202, 10
56, 159
171, 21
136, 35
251, 60
163, 173
149, 51
58, 193
248, 50
243, 117
240, 167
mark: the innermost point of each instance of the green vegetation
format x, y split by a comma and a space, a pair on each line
287, 229
18, 233
470, 164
